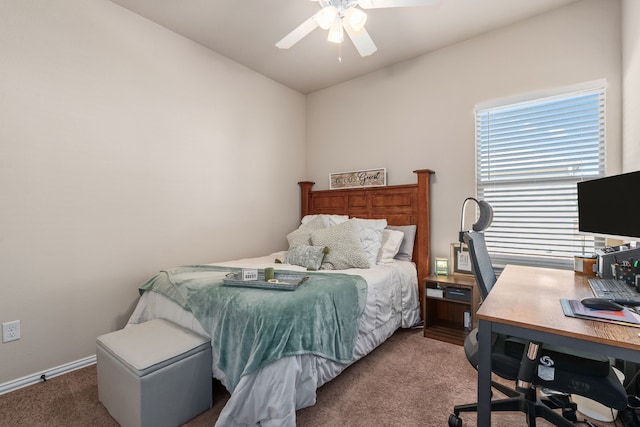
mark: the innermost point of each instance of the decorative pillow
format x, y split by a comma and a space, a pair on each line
329, 220
301, 236
345, 249
406, 248
370, 233
391, 241
309, 257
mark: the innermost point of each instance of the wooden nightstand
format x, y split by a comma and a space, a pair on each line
445, 301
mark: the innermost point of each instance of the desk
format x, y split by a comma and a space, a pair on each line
525, 302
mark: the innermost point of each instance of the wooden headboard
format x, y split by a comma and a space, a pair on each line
398, 204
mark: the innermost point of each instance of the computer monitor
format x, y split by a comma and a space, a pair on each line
609, 206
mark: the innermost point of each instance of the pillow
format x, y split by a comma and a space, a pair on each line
301, 236
345, 249
329, 220
370, 233
406, 248
309, 257
391, 241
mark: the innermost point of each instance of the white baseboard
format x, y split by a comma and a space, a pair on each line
48, 374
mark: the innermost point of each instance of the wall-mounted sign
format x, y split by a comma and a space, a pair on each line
361, 178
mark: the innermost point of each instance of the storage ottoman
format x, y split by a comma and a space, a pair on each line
154, 374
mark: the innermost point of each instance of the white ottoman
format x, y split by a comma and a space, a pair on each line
154, 374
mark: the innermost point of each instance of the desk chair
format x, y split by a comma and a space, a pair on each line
515, 359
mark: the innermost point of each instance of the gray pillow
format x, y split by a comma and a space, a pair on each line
345, 249
406, 247
305, 256
302, 235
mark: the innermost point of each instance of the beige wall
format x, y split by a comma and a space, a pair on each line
125, 149
120, 148
420, 113
631, 84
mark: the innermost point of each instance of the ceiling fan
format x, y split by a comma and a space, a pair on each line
339, 16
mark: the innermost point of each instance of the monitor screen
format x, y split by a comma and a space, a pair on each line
609, 206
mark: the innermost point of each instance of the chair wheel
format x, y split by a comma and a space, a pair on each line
569, 414
455, 421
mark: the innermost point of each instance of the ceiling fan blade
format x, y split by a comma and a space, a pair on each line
377, 4
299, 33
361, 40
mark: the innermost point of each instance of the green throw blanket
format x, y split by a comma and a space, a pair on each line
253, 327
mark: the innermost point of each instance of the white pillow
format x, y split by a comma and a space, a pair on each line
329, 220
391, 241
370, 232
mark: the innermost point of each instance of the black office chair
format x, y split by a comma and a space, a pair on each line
575, 372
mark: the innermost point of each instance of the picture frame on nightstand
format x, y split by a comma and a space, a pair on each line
441, 266
460, 259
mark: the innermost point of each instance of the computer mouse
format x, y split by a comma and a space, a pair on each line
601, 304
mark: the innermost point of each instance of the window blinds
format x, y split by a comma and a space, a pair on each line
530, 157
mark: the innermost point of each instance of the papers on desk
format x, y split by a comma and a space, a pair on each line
574, 308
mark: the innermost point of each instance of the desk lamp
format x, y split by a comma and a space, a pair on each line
486, 217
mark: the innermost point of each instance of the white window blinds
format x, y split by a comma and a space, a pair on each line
530, 157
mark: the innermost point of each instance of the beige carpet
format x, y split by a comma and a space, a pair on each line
407, 381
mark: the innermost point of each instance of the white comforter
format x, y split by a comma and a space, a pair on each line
271, 395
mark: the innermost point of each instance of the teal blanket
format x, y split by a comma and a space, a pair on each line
252, 327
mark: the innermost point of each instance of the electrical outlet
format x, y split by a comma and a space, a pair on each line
11, 331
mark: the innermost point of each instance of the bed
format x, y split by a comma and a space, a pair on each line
385, 293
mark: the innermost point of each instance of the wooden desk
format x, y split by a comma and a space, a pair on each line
525, 302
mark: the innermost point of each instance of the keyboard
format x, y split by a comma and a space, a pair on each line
613, 289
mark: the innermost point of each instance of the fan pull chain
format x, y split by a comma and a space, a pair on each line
340, 53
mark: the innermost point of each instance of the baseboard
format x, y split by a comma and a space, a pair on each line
45, 375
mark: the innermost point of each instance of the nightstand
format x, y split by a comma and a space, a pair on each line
450, 304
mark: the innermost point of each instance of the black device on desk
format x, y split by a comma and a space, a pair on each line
601, 304
614, 262
604, 209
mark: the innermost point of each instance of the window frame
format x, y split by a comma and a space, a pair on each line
524, 252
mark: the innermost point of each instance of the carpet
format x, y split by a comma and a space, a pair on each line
407, 381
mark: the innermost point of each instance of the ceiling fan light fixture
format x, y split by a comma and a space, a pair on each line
336, 33
327, 16
340, 16
355, 18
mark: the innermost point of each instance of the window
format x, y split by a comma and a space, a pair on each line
530, 157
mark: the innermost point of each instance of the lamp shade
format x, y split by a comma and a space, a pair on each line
355, 18
336, 34
326, 17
